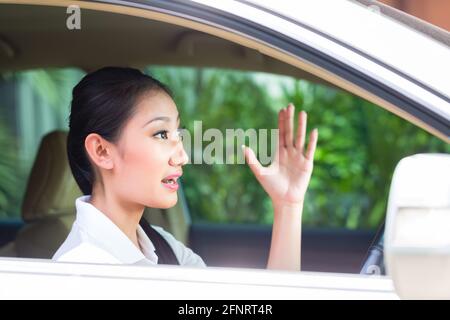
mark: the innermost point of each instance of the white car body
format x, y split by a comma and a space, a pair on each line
26, 278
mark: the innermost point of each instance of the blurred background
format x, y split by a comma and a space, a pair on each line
359, 143
436, 12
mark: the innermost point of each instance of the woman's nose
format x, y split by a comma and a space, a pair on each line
180, 157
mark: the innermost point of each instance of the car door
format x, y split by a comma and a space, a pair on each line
336, 233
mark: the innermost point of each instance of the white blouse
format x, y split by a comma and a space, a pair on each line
94, 238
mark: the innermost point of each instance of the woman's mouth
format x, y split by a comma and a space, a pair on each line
170, 182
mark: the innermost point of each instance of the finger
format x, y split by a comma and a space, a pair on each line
281, 129
252, 162
289, 122
312, 144
301, 131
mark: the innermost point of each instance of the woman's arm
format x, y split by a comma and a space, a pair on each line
286, 181
285, 246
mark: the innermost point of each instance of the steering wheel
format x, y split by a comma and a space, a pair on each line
374, 259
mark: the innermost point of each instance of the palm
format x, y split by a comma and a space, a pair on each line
286, 179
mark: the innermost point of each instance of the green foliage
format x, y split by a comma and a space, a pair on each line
225, 99
12, 180
37, 98
359, 145
358, 148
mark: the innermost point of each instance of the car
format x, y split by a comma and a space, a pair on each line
374, 55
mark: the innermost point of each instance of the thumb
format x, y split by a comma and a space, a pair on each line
251, 160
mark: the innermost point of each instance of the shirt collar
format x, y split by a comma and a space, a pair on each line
108, 236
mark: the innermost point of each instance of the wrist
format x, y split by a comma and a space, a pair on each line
287, 209
287, 204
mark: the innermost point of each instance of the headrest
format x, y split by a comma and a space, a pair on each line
51, 190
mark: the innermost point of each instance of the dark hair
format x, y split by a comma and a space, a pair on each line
102, 102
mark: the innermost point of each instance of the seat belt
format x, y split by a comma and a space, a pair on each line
162, 248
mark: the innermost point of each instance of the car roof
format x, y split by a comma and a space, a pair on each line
423, 56
376, 36
371, 55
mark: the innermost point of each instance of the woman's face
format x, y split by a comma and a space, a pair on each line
149, 155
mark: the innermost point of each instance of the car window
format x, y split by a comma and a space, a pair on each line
359, 142
32, 103
358, 148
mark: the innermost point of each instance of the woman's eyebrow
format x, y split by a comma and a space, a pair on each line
162, 118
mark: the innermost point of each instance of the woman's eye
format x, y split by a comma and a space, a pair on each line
161, 134
164, 134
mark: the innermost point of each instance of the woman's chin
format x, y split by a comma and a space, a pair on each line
168, 203
163, 200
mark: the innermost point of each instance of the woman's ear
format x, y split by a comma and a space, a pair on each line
99, 150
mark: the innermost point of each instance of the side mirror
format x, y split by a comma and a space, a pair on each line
417, 234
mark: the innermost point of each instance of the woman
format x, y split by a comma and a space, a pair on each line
125, 153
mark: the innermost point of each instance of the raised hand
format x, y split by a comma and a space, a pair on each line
287, 178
